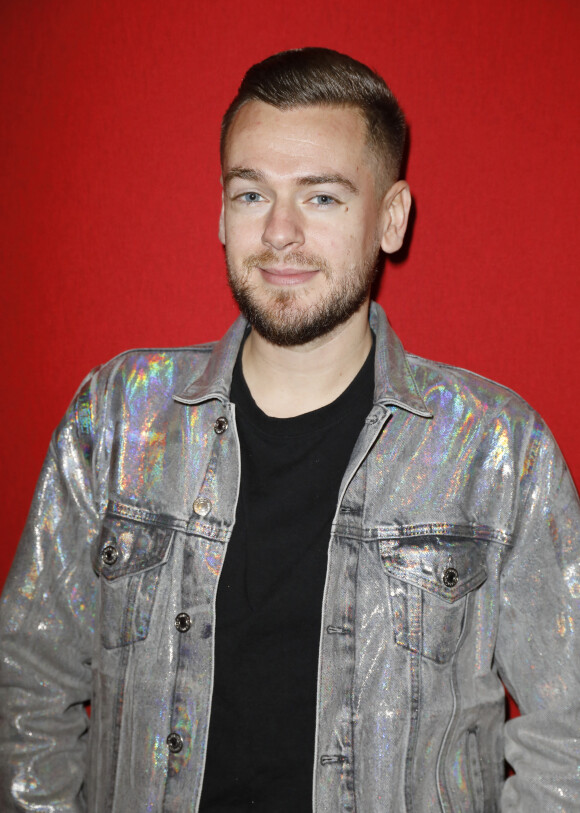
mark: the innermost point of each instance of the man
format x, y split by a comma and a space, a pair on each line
291, 569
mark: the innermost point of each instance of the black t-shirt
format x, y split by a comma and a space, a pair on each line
269, 601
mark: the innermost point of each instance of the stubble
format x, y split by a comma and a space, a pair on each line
282, 318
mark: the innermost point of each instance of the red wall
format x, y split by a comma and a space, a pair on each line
110, 176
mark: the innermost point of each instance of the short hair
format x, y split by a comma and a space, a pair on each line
320, 76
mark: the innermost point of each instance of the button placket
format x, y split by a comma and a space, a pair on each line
174, 742
220, 425
182, 622
202, 506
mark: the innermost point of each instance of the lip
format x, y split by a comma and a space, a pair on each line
287, 276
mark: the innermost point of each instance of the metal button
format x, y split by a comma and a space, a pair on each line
202, 506
174, 743
182, 622
109, 554
450, 577
220, 425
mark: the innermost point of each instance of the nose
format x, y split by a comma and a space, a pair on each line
283, 228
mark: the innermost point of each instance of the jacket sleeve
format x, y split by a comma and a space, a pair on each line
46, 630
537, 652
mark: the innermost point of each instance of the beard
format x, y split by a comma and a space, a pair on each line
282, 319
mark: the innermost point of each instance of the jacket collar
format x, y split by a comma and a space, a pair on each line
215, 381
394, 381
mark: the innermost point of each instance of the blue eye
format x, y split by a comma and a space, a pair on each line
324, 200
250, 197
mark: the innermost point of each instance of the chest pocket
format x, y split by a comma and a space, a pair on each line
430, 579
129, 558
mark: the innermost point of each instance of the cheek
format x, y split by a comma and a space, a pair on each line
356, 238
243, 232
237, 236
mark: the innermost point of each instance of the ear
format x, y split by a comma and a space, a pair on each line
221, 227
395, 207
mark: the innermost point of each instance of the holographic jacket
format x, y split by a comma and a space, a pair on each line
453, 563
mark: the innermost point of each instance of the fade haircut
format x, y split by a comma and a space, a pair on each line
320, 76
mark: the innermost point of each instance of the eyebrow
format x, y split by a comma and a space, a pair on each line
244, 175
307, 180
337, 178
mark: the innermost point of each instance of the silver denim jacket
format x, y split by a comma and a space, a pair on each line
453, 562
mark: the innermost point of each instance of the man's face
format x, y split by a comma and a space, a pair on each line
302, 221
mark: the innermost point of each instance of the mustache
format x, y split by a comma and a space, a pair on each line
297, 259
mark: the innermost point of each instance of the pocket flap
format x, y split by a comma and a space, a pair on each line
127, 546
447, 566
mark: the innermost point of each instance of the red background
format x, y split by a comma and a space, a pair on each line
110, 114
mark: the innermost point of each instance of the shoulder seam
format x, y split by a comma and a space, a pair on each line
486, 379
206, 347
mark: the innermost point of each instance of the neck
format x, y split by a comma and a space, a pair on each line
289, 381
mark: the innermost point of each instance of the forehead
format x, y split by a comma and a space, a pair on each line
320, 137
